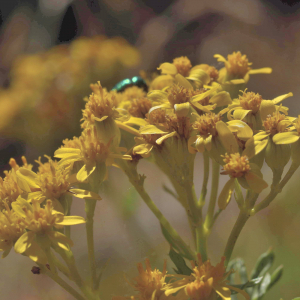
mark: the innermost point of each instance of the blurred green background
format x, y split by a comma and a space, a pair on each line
126, 231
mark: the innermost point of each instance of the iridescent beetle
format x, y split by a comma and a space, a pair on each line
134, 81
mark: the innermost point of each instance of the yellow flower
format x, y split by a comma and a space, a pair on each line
149, 283
237, 69
40, 223
205, 283
248, 175
290, 137
101, 111
251, 108
134, 100
277, 155
12, 226
181, 67
91, 151
213, 135
51, 182
9, 188
182, 94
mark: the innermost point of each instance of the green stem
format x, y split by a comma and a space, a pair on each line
195, 214
138, 182
209, 220
50, 259
61, 282
205, 178
90, 206
276, 188
69, 259
237, 228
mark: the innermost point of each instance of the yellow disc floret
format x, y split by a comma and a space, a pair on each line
250, 101
275, 124
52, 179
149, 281
100, 105
139, 107
236, 165
237, 64
183, 65
9, 189
12, 226
206, 124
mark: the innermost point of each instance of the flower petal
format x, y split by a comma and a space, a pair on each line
65, 152
267, 107
183, 82
225, 195
168, 68
83, 194
261, 71
24, 242
243, 293
36, 253
227, 138
161, 139
142, 149
223, 292
71, 220
29, 176
85, 172
255, 182
286, 137
221, 99
240, 114
281, 98
60, 240
151, 129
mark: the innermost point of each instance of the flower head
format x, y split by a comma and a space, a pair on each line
9, 187
250, 101
12, 226
205, 283
276, 123
40, 222
247, 174
90, 150
149, 283
100, 105
236, 165
205, 125
183, 65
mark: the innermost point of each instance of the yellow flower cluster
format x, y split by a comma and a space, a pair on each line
188, 109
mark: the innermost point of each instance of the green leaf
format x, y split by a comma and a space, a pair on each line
276, 276
298, 298
169, 238
263, 264
238, 265
248, 284
179, 262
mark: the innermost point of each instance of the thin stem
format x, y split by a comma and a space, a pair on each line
236, 230
205, 178
138, 182
195, 214
90, 206
50, 259
69, 259
276, 189
209, 220
61, 282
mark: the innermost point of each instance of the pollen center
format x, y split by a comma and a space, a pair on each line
236, 165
